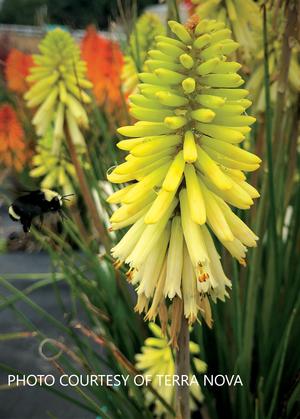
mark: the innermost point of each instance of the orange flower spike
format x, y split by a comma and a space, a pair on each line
12, 144
17, 69
104, 61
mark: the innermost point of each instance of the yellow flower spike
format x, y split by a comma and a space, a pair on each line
58, 78
185, 168
174, 174
189, 148
195, 197
55, 167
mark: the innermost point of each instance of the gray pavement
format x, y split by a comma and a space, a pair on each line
22, 354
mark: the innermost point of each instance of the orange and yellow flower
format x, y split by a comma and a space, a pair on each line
12, 139
104, 60
17, 69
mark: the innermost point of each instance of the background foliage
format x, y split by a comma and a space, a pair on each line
73, 13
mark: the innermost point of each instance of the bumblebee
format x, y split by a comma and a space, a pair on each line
35, 204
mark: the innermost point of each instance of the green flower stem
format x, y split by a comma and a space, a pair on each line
136, 55
269, 144
173, 12
182, 368
289, 33
86, 191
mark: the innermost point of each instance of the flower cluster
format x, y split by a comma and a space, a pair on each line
157, 358
13, 152
104, 63
142, 39
184, 169
57, 169
17, 67
241, 15
59, 77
